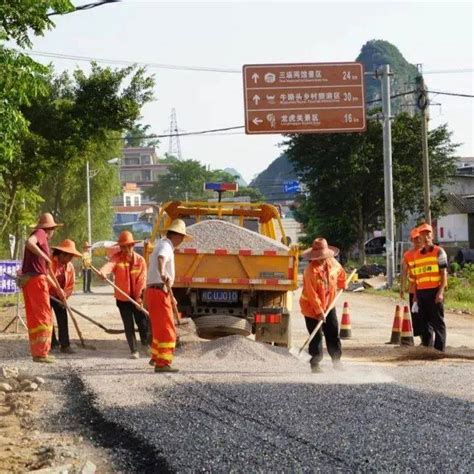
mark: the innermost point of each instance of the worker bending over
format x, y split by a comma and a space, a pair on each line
129, 269
161, 274
63, 270
321, 280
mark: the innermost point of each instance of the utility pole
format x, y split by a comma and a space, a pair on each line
89, 225
384, 74
423, 104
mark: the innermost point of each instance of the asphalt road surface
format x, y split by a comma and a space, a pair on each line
241, 406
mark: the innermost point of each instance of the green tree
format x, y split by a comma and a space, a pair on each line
343, 174
78, 118
253, 193
136, 136
186, 178
21, 78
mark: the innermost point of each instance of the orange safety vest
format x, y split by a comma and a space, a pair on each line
129, 277
69, 278
426, 269
320, 285
409, 260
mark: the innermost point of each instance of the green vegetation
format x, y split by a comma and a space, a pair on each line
343, 174
51, 125
186, 178
376, 53
459, 295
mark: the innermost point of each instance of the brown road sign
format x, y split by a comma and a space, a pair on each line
304, 98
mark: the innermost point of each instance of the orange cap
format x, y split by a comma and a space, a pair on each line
425, 228
414, 233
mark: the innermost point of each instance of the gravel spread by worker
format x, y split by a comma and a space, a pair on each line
218, 234
241, 406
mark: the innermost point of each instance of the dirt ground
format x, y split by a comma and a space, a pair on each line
32, 434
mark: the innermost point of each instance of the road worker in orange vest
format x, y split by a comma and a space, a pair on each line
321, 279
129, 269
63, 269
406, 275
34, 281
161, 275
431, 276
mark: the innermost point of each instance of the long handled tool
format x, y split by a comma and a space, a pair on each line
112, 284
88, 318
320, 323
68, 309
177, 319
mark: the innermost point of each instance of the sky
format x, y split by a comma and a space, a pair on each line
226, 35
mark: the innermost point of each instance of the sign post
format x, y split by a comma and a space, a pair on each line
304, 98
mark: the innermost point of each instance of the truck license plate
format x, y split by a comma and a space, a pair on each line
220, 296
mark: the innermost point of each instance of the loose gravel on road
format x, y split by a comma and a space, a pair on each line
217, 234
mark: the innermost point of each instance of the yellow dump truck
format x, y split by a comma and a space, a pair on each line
237, 273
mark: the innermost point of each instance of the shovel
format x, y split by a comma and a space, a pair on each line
74, 310
68, 309
113, 285
177, 319
297, 353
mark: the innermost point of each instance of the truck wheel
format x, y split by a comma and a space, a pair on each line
215, 326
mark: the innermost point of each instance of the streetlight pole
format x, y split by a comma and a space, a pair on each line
89, 224
90, 174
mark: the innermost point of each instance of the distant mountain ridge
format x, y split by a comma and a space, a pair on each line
270, 182
373, 54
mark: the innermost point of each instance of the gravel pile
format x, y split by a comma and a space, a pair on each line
217, 234
231, 349
12, 379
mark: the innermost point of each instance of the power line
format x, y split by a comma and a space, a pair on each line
183, 134
449, 71
129, 63
454, 94
168, 66
401, 94
87, 6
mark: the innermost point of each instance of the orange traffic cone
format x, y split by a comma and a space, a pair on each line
346, 330
397, 326
407, 329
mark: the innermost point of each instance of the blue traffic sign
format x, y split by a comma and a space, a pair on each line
292, 187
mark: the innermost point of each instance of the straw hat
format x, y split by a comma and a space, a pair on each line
424, 228
87, 245
320, 250
179, 227
68, 246
414, 233
126, 238
46, 221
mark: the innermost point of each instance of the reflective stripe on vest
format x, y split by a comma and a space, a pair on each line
426, 269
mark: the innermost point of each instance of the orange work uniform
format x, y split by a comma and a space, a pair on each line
162, 326
320, 285
39, 317
130, 277
430, 263
409, 262
65, 276
159, 304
